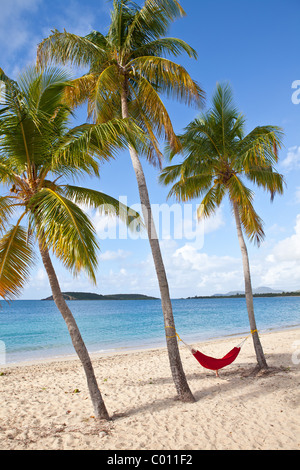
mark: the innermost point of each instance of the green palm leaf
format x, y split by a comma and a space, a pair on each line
147, 23
171, 78
267, 178
107, 205
66, 229
66, 47
260, 147
78, 150
16, 259
150, 104
165, 46
211, 201
6, 211
190, 188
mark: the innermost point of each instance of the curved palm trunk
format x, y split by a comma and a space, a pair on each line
182, 387
248, 291
78, 343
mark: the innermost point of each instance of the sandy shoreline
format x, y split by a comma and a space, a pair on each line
39, 409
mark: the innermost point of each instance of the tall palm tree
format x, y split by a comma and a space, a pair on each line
219, 157
37, 151
127, 73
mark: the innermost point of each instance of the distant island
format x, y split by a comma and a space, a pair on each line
259, 292
91, 296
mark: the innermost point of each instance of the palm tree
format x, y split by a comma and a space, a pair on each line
36, 150
126, 76
218, 158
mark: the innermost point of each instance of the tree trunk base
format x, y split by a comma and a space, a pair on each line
102, 419
102, 416
185, 398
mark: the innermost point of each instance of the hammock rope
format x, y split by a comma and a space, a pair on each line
210, 362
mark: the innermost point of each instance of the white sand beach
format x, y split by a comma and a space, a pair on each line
46, 405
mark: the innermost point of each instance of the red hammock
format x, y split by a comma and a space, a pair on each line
210, 362
216, 364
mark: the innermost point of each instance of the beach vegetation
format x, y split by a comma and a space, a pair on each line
39, 210
129, 69
219, 158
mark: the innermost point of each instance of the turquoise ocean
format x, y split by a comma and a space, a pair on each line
34, 329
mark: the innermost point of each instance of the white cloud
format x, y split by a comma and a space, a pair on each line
199, 273
195, 229
275, 229
23, 27
282, 267
292, 159
214, 222
16, 32
191, 271
114, 255
289, 248
71, 17
106, 226
38, 282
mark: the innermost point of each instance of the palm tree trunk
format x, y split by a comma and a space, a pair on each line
179, 378
78, 343
248, 291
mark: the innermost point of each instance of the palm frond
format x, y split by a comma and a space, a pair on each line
199, 139
171, 79
267, 178
192, 187
259, 147
78, 150
150, 148
36, 121
223, 118
42, 90
170, 173
104, 100
80, 90
16, 259
14, 100
5, 171
250, 220
150, 104
65, 229
106, 205
147, 23
11, 93
6, 211
170, 8
211, 201
66, 48
252, 224
164, 47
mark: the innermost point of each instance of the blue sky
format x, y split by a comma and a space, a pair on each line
252, 45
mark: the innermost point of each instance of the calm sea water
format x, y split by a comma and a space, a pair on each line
34, 329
